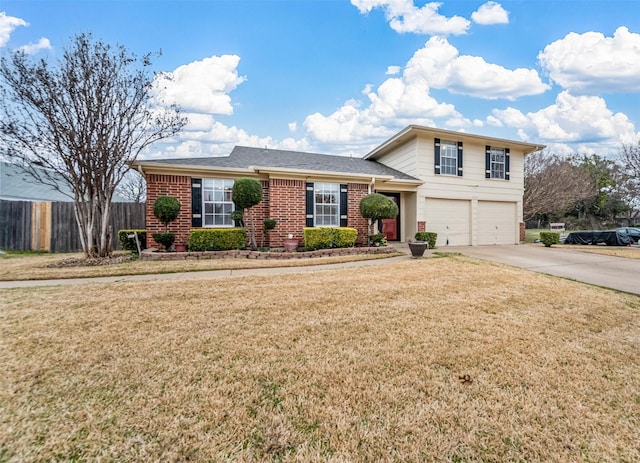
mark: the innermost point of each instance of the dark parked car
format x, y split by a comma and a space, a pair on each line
633, 233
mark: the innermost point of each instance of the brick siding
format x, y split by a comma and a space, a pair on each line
178, 186
283, 200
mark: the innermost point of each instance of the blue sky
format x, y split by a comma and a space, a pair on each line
342, 76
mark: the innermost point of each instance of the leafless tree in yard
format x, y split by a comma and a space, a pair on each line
83, 119
133, 187
553, 184
630, 159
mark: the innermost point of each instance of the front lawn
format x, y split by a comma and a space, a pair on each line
442, 359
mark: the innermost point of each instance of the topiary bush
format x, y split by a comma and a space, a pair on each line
329, 237
129, 244
376, 206
429, 237
217, 239
166, 239
549, 238
166, 210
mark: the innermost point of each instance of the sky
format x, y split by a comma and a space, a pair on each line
341, 77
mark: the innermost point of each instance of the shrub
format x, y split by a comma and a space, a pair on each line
318, 238
129, 244
269, 224
429, 237
376, 206
246, 193
165, 239
329, 237
344, 237
217, 239
166, 210
377, 239
549, 238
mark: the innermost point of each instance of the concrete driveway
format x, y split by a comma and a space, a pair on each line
610, 272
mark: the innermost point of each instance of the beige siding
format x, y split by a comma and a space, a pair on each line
500, 199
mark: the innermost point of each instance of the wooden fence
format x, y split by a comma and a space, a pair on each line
51, 226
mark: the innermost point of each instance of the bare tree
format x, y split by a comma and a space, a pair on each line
630, 159
554, 184
82, 119
133, 187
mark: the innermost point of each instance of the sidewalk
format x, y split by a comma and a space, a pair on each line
203, 274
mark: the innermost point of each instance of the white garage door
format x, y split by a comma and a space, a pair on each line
451, 220
497, 223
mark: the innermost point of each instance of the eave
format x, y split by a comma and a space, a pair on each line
412, 131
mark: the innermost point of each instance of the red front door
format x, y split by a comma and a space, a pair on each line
391, 227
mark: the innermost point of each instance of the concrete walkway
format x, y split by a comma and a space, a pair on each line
199, 274
610, 272
596, 269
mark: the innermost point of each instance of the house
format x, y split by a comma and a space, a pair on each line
467, 188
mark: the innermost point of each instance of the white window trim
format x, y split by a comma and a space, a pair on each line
493, 163
454, 150
334, 189
210, 184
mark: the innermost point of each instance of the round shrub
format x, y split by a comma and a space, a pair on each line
166, 209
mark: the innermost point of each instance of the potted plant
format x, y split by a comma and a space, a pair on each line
166, 209
290, 243
417, 248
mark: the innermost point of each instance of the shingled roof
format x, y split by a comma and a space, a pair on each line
244, 157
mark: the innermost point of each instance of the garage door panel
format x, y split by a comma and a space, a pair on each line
451, 220
497, 222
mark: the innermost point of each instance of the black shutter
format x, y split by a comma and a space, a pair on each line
196, 202
344, 204
459, 159
487, 162
436, 156
309, 205
507, 163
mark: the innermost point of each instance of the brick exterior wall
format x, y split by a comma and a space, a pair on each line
287, 201
522, 232
283, 200
357, 191
422, 225
178, 186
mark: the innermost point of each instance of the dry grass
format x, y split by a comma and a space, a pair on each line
616, 251
34, 266
426, 360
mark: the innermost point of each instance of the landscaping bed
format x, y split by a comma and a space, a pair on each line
154, 254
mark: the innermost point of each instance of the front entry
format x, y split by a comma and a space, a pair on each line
391, 227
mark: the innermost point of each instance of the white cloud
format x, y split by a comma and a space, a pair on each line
583, 121
593, 63
404, 16
439, 63
393, 70
293, 126
407, 99
202, 86
32, 48
490, 13
7, 25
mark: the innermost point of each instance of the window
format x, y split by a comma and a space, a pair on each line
497, 163
217, 203
448, 158
327, 204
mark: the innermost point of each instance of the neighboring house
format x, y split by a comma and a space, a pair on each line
467, 188
17, 185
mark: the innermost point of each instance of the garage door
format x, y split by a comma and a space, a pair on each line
497, 223
451, 220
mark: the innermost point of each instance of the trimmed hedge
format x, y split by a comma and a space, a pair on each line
329, 237
429, 237
129, 244
549, 238
217, 239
